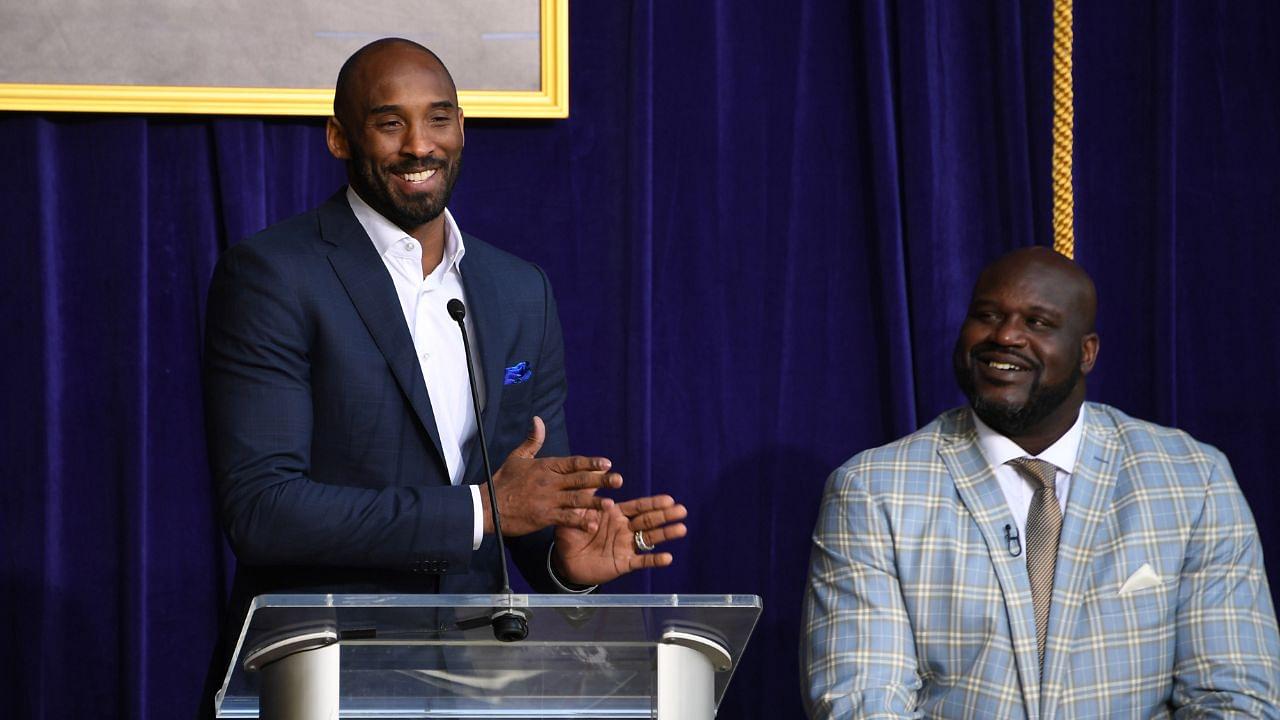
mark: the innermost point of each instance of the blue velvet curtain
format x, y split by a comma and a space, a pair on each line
762, 221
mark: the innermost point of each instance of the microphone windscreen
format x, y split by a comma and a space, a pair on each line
457, 310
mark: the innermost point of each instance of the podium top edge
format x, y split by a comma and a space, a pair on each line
320, 600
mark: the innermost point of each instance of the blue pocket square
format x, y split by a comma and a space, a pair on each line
517, 374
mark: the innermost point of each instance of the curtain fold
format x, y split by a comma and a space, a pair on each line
1177, 203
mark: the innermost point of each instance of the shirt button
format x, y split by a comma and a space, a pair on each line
410, 246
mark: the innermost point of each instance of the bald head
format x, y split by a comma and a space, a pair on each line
361, 70
1049, 272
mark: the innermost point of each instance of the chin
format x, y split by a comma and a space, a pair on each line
1008, 419
1000, 402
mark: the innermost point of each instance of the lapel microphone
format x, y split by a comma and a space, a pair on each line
509, 624
1012, 541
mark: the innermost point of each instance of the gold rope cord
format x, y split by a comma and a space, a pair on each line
1064, 236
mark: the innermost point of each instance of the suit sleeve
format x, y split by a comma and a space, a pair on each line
857, 651
549, 386
550, 389
258, 412
1227, 657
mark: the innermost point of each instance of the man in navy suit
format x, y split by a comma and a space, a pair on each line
340, 425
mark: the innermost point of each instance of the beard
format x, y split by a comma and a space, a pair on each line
373, 184
1012, 420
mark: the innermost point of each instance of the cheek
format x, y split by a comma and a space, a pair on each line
1058, 362
450, 143
377, 150
970, 335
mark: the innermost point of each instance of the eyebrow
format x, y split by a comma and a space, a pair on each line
1045, 310
1034, 309
439, 104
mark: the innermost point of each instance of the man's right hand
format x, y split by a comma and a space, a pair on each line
534, 492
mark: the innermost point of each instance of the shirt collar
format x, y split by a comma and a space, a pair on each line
998, 449
386, 235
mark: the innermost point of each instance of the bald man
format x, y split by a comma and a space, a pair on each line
1034, 555
341, 430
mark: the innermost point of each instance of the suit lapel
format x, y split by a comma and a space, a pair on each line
365, 277
1089, 503
980, 492
491, 319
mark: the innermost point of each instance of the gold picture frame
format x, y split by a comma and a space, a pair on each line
551, 100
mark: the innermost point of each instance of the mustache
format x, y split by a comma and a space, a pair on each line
985, 347
417, 165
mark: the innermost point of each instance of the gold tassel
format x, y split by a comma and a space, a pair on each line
1064, 236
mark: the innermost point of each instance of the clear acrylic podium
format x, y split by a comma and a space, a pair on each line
668, 657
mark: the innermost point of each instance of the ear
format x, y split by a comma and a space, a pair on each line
1088, 352
462, 129
336, 138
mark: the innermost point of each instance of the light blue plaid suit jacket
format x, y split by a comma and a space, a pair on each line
916, 608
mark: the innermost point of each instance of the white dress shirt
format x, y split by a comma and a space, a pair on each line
436, 339
999, 450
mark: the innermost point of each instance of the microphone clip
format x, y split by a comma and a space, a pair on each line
1012, 541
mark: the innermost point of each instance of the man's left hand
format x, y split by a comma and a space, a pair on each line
591, 558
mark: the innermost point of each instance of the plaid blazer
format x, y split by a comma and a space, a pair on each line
915, 606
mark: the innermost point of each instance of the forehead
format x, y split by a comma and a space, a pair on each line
1028, 286
402, 76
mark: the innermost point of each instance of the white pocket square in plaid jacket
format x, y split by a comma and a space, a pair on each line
1142, 579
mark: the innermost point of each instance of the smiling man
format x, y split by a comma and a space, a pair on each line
340, 423
1034, 555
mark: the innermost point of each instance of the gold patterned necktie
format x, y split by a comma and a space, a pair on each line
1044, 527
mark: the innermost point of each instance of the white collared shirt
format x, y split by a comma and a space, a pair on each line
435, 334
999, 450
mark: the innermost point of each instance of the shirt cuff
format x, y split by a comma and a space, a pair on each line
565, 585
477, 518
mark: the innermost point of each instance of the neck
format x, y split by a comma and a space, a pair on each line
1048, 431
431, 237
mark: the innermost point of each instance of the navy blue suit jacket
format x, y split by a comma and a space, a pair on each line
322, 442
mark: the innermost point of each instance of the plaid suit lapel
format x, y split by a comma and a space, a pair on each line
1088, 505
980, 492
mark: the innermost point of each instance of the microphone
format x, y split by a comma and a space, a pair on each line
509, 624
1012, 541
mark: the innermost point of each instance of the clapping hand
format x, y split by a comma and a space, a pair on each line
535, 492
619, 543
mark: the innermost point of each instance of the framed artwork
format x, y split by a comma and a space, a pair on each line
510, 58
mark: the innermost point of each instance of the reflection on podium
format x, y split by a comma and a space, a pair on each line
435, 656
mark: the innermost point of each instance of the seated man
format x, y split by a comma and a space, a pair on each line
1034, 555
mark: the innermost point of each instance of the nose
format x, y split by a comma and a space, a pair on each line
418, 141
1009, 332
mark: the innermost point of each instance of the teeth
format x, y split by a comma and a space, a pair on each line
1003, 365
418, 176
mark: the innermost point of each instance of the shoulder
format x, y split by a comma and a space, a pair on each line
510, 270
1157, 466
282, 249
289, 237
507, 281
296, 249
910, 464
1147, 445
